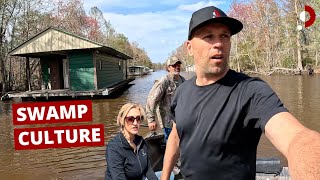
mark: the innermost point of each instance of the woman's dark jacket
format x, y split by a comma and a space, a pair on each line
124, 163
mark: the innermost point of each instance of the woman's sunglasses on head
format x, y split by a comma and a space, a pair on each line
131, 119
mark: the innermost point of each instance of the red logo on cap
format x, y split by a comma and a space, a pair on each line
216, 13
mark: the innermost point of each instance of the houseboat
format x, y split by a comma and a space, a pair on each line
72, 66
138, 70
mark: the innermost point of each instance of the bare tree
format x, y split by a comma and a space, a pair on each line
8, 10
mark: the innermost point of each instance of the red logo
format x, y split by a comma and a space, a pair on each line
312, 17
312, 14
215, 13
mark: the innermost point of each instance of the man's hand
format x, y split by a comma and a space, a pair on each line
152, 125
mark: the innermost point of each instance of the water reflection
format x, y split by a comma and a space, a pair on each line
300, 94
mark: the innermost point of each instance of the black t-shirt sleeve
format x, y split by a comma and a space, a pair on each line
263, 104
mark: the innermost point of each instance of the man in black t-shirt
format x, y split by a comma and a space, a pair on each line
220, 114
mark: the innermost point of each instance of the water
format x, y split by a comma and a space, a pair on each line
300, 94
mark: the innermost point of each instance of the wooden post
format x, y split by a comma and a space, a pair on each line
126, 64
28, 81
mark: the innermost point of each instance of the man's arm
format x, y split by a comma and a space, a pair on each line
172, 153
155, 95
300, 145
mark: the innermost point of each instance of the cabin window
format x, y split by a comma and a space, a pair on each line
100, 64
119, 65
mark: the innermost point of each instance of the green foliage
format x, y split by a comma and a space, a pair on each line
308, 61
140, 57
289, 62
121, 43
157, 66
245, 63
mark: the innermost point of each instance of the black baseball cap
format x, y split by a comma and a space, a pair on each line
212, 14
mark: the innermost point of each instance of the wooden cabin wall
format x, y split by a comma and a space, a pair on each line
109, 70
81, 71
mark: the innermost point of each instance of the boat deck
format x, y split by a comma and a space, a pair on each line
67, 93
284, 175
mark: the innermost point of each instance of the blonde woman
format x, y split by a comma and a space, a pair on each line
127, 153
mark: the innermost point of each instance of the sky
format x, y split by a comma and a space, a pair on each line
158, 26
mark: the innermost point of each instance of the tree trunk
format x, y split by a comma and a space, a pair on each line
2, 64
299, 53
28, 82
316, 58
3, 75
237, 56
